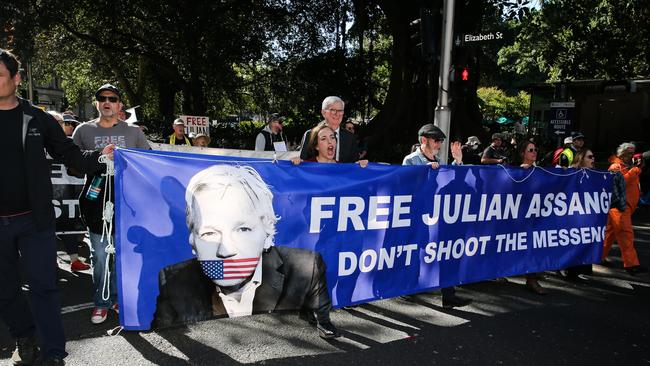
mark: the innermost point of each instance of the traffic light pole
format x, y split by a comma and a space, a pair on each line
443, 113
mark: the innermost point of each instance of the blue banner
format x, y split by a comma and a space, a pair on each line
382, 231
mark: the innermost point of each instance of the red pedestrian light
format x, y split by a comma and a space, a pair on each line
465, 74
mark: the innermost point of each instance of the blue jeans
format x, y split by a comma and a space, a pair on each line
37, 248
98, 259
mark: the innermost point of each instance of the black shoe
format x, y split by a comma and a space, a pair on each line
25, 352
50, 361
636, 270
308, 316
327, 330
607, 263
454, 301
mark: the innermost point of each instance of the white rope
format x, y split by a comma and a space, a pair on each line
115, 331
107, 228
534, 167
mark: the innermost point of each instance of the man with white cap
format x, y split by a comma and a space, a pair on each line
178, 137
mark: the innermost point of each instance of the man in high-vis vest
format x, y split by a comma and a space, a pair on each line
178, 137
567, 155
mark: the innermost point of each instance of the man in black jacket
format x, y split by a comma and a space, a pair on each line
346, 147
238, 271
27, 218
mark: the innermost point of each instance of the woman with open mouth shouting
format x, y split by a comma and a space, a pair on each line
322, 146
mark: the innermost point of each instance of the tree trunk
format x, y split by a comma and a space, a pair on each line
394, 128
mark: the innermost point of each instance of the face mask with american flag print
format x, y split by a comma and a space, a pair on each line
229, 269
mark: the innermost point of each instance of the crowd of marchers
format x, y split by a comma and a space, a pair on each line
27, 230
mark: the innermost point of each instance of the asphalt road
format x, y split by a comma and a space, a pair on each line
604, 320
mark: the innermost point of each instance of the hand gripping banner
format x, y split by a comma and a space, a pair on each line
189, 225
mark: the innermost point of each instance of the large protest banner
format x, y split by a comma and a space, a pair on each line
383, 231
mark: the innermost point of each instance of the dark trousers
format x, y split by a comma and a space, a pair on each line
36, 251
71, 243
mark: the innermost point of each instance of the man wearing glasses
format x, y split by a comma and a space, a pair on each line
431, 138
108, 129
346, 147
27, 225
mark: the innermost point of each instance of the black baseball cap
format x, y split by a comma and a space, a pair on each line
575, 135
67, 118
108, 87
432, 131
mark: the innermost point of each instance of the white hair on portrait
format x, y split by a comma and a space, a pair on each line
223, 176
327, 102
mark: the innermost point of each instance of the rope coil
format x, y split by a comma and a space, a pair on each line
107, 228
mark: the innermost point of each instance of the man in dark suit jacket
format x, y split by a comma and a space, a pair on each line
238, 270
332, 110
293, 279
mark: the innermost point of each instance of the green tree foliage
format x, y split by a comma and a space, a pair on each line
250, 58
495, 103
582, 39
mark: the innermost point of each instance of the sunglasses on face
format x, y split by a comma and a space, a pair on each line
103, 98
590, 156
532, 149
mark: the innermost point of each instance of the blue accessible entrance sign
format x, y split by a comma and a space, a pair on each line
561, 118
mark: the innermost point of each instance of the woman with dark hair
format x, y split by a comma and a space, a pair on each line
527, 152
322, 146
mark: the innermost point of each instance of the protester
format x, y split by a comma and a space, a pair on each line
472, 151
95, 134
496, 152
322, 147
27, 232
271, 138
583, 160
362, 146
568, 154
552, 159
619, 222
346, 150
528, 155
123, 115
201, 140
431, 138
178, 137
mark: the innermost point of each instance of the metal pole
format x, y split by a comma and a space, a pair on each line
443, 113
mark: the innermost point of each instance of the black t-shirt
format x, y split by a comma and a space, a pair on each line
13, 180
